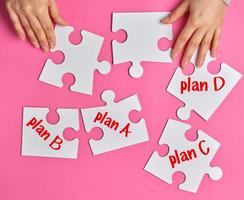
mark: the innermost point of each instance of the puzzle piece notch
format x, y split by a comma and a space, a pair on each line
113, 120
136, 70
52, 117
189, 70
164, 44
144, 30
80, 60
203, 102
39, 138
193, 169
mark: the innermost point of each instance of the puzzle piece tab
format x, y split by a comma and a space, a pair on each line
80, 60
39, 138
113, 119
191, 158
202, 91
143, 33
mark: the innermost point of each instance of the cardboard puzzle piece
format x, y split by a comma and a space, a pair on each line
143, 33
113, 120
80, 60
39, 138
191, 158
202, 91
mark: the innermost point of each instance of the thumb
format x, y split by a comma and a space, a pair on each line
55, 15
176, 13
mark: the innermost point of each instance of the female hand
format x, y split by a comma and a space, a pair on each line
35, 18
201, 31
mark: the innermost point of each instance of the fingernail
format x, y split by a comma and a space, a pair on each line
36, 45
45, 49
22, 37
214, 54
184, 65
52, 45
174, 55
200, 63
164, 20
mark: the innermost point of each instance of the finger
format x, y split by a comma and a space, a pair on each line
16, 23
54, 12
176, 13
47, 26
41, 36
192, 46
182, 39
215, 42
204, 47
29, 31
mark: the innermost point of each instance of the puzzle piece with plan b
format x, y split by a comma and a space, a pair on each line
192, 158
202, 91
40, 138
80, 60
113, 120
144, 30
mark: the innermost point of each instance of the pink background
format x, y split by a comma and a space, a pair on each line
118, 174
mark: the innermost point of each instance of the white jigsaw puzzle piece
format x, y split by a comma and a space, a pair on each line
79, 60
204, 103
194, 169
34, 142
143, 33
119, 111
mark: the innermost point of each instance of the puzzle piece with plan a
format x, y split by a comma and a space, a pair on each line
40, 138
202, 91
113, 120
80, 60
192, 158
143, 33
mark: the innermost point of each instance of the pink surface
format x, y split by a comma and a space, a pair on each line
118, 174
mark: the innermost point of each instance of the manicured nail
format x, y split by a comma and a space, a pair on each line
174, 55
36, 45
164, 20
200, 63
184, 65
52, 45
45, 48
22, 37
214, 53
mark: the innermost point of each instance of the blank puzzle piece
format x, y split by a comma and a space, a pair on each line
202, 91
191, 158
143, 33
80, 60
39, 138
118, 130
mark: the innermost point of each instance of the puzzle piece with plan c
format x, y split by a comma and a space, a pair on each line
79, 60
143, 33
113, 120
202, 91
192, 158
40, 138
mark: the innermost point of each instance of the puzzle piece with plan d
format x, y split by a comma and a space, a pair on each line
202, 91
192, 158
79, 60
143, 33
40, 138
113, 120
